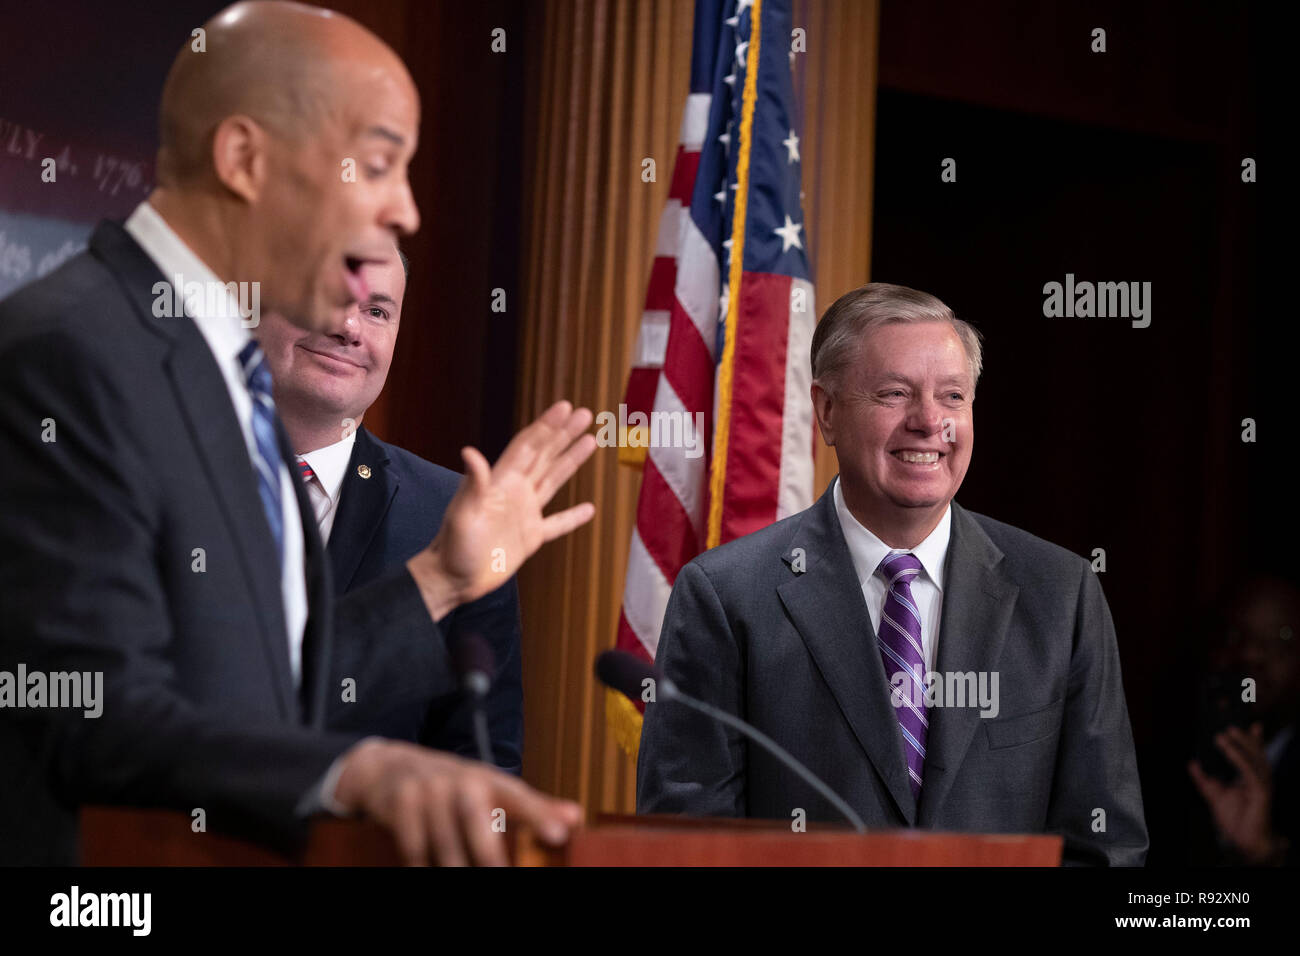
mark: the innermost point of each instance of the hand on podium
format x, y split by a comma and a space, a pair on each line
439, 807
443, 809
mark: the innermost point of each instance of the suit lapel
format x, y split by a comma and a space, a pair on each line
977, 606
363, 503
204, 401
826, 604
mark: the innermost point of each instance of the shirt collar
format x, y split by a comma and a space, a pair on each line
218, 319
331, 463
868, 551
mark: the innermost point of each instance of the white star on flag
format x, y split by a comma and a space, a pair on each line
789, 234
792, 144
744, 5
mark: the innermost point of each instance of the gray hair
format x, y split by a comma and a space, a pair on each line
406, 264
854, 314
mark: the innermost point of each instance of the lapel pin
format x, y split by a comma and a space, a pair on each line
363, 471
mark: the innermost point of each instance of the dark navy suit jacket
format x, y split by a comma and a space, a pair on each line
383, 520
133, 545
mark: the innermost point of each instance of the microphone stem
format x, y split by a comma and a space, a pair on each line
481, 736
777, 750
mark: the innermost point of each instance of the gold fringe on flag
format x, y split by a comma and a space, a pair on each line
633, 446
624, 721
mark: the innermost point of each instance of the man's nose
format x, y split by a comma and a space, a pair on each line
402, 215
925, 415
350, 332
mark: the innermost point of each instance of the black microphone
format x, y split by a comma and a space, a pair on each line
475, 664
627, 674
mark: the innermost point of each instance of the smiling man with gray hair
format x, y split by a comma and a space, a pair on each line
937, 668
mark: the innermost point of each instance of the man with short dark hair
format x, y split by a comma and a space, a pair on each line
935, 667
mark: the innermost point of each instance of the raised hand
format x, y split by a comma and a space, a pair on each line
1241, 809
495, 521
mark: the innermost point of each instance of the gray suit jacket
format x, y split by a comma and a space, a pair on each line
794, 653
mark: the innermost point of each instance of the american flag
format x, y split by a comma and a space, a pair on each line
728, 320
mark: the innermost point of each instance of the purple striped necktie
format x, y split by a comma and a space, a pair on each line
900, 648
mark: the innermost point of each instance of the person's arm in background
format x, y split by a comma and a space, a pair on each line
1243, 808
450, 720
493, 524
1096, 798
688, 762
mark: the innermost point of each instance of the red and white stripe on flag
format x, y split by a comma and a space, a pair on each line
753, 398
667, 299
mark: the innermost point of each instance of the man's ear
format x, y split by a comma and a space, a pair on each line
239, 148
823, 408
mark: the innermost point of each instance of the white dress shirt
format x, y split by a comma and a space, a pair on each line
225, 334
330, 465
868, 551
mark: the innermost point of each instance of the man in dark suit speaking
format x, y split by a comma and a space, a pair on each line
935, 667
153, 537
378, 505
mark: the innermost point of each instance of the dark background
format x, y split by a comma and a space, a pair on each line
95, 70
1122, 166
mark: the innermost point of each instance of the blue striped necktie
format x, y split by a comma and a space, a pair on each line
267, 460
899, 637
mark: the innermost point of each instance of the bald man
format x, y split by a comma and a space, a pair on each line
155, 553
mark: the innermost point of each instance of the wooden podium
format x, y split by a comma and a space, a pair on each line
112, 836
